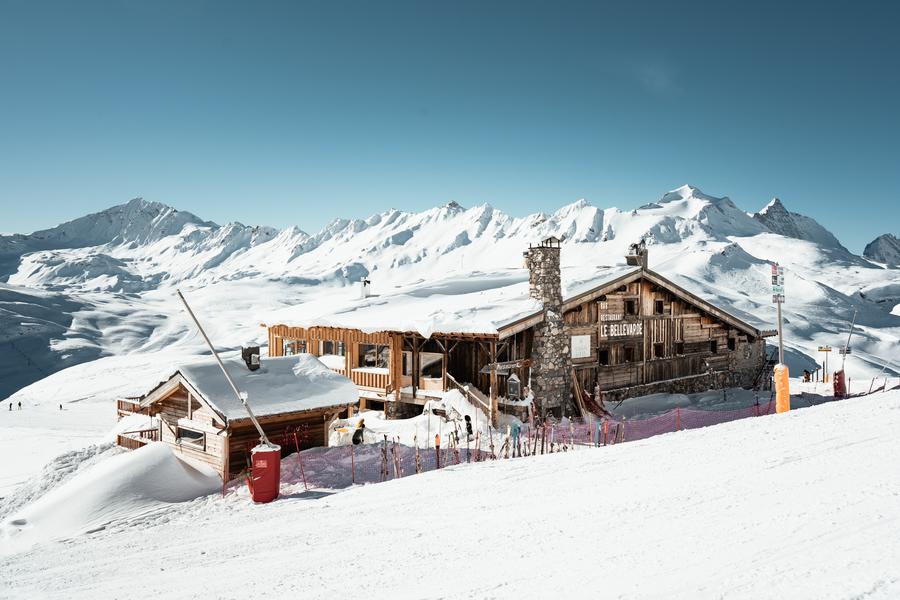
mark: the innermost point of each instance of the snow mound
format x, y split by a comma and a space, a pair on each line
122, 487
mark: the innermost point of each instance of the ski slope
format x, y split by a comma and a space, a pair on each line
799, 505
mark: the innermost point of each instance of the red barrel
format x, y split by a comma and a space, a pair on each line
840, 385
265, 472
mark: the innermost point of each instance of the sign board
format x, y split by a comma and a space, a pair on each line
824, 348
581, 346
777, 284
625, 329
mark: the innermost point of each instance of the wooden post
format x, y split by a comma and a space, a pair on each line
416, 366
396, 379
445, 366
494, 391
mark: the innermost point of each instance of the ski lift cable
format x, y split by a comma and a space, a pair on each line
242, 397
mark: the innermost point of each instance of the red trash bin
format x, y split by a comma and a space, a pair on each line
265, 472
840, 385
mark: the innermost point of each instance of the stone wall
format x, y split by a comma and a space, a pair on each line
550, 361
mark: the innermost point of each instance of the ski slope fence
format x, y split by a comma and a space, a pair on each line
339, 467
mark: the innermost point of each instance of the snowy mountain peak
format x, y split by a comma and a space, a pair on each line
780, 220
683, 193
884, 249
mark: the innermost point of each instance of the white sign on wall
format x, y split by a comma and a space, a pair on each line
581, 346
625, 329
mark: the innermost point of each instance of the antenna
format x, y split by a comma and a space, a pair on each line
241, 396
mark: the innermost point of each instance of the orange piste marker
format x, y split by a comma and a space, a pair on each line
782, 389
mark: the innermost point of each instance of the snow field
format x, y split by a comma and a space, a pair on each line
788, 505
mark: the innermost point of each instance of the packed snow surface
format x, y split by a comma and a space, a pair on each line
281, 385
789, 505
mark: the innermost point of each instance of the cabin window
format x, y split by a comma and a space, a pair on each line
431, 364
292, 347
189, 437
374, 356
406, 359
631, 307
732, 343
713, 346
679, 348
659, 350
658, 307
603, 356
336, 348
629, 354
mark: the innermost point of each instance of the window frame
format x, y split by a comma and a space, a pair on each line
197, 443
380, 350
633, 304
600, 352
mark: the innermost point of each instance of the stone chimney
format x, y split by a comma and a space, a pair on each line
550, 363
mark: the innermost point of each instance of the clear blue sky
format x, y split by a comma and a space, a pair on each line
296, 113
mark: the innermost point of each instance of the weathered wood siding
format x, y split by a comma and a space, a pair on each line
662, 337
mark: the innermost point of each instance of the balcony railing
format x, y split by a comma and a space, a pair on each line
133, 440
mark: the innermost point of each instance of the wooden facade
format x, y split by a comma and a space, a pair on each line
625, 335
645, 330
196, 432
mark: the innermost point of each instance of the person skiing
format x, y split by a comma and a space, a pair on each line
468, 427
516, 429
60, 407
20, 405
358, 434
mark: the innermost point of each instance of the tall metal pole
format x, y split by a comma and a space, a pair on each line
847, 347
780, 337
241, 397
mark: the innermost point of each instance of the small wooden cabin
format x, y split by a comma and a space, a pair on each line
626, 332
196, 413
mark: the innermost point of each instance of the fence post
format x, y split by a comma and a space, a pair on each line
677, 418
352, 465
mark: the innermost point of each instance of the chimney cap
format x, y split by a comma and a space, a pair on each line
551, 242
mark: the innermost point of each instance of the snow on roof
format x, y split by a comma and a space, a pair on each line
475, 303
281, 385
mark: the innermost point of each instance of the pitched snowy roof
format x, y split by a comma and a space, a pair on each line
281, 385
478, 303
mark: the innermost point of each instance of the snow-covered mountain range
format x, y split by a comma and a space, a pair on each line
103, 284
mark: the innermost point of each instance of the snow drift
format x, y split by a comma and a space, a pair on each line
122, 487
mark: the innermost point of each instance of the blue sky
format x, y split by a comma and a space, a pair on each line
296, 113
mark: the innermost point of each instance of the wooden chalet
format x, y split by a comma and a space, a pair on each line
195, 412
627, 332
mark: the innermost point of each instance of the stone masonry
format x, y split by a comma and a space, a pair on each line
550, 361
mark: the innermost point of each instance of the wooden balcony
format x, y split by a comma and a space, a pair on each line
132, 440
371, 378
127, 406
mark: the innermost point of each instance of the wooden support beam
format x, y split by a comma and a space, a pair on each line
495, 406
